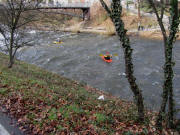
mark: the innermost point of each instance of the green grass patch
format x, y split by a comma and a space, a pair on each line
3, 91
53, 114
100, 118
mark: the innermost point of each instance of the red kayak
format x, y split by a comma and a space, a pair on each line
108, 61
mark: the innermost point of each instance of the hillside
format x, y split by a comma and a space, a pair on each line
46, 103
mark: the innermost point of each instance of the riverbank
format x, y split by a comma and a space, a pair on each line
46, 103
150, 31
148, 34
103, 26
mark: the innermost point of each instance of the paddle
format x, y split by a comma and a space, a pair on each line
101, 55
115, 54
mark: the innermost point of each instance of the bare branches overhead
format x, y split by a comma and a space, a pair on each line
14, 15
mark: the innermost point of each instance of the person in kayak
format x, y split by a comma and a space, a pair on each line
107, 56
59, 41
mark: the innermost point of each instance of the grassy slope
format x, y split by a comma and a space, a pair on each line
46, 103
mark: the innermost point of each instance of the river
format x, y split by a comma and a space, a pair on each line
78, 58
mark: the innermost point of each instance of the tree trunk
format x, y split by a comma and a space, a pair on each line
11, 62
169, 83
115, 15
168, 71
121, 31
131, 78
139, 15
11, 58
172, 37
168, 86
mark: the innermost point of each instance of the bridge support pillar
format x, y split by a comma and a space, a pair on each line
86, 14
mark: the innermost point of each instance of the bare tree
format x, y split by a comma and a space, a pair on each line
115, 13
169, 39
14, 15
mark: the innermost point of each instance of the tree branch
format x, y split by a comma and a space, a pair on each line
162, 9
106, 7
159, 19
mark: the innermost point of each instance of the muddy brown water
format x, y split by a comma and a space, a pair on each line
78, 58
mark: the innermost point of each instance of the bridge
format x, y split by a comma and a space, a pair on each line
84, 6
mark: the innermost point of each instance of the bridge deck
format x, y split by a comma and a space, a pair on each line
65, 5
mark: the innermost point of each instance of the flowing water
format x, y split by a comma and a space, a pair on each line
78, 58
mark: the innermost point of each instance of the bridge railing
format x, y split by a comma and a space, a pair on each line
66, 5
